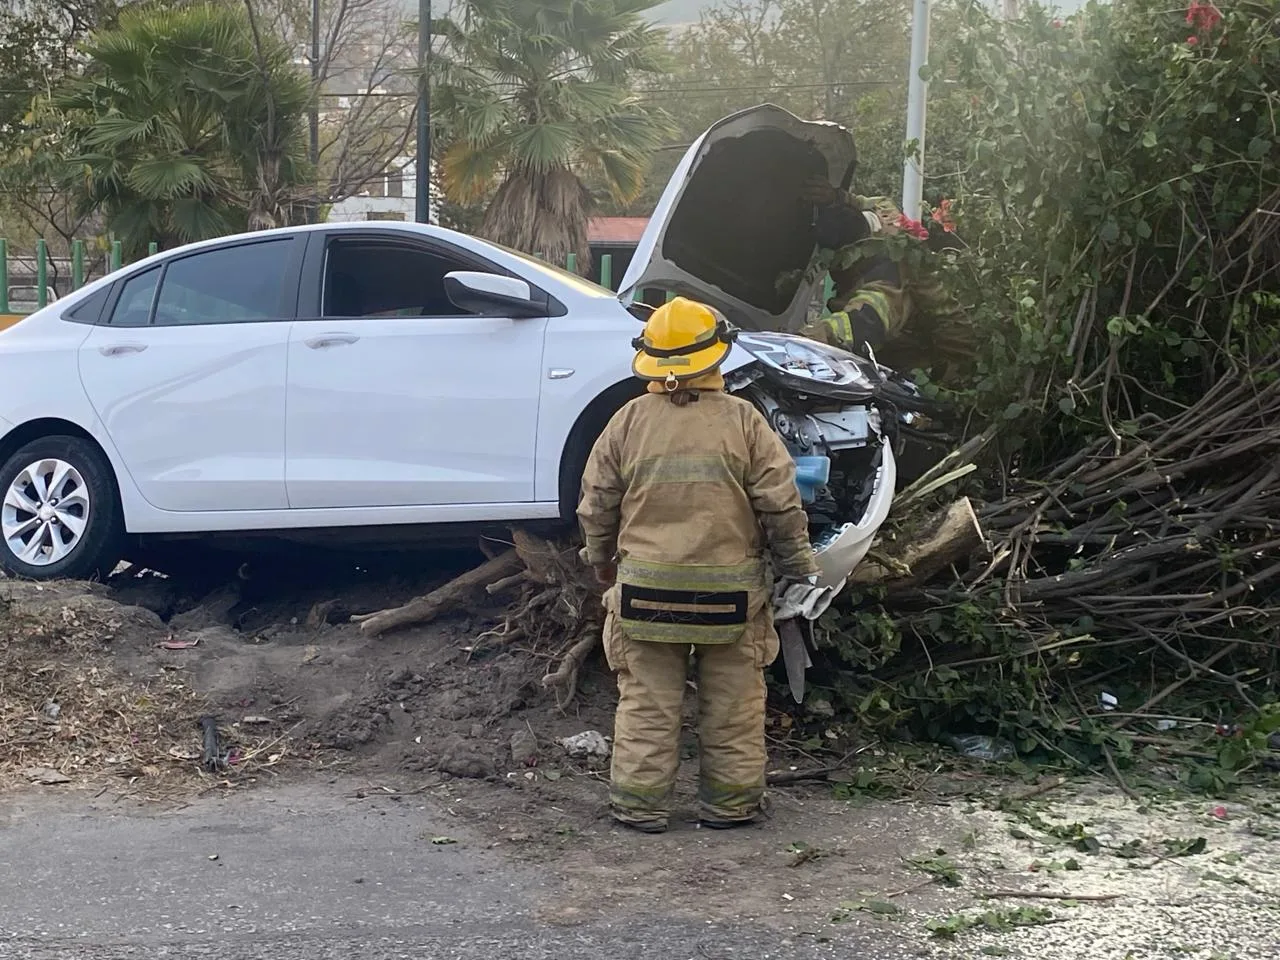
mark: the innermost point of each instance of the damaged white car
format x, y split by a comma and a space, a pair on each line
370, 381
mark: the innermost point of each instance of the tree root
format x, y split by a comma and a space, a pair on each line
452, 595
564, 679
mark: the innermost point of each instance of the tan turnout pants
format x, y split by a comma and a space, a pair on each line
731, 715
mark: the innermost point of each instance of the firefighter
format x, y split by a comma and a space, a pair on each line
689, 511
879, 306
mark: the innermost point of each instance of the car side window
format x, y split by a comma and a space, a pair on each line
368, 277
133, 307
241, 284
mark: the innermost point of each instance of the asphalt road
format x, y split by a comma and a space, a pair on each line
306, 872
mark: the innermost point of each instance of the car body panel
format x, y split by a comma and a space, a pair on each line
40, 380
422, 411
731, 225
23, 301
196, 412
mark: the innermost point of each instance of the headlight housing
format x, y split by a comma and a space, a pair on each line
801, 359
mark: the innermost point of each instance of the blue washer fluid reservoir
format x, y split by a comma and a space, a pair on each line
811, 473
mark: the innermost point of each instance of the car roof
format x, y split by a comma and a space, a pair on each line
427, 229
563, 284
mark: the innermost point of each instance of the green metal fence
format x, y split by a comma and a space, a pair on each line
114, 260
40, 274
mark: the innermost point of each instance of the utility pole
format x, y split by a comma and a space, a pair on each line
917, 97
314, 152
422, 195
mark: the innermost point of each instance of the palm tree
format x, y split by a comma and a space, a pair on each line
532, 97
193, 125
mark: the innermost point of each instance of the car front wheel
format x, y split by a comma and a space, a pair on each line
59, 516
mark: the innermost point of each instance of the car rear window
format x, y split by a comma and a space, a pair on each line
241, 284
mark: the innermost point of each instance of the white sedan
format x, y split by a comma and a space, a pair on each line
378, 375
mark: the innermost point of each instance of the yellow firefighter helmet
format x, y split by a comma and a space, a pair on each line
682, 340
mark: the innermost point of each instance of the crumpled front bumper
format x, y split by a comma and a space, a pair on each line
840, 549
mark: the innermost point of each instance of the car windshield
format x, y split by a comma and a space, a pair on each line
564, 276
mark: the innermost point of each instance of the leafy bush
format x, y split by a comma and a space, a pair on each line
1122, 207
1121, 215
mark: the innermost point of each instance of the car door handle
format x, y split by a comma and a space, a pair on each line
119, 349
330, 340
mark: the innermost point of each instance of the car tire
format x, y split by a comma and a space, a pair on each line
76, 530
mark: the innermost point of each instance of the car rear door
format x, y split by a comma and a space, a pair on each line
187, 373
396, 397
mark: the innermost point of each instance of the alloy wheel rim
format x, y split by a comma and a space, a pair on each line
45, 512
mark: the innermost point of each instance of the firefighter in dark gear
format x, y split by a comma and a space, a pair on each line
689, 511
879, 307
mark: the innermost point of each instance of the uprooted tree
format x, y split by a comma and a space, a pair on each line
1112, 522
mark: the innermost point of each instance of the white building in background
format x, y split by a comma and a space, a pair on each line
392, 196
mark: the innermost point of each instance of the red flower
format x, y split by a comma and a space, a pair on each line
1203, 16
942, 216
913, 227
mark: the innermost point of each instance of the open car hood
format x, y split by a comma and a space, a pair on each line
731, 223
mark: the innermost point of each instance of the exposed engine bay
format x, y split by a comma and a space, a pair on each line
840, 417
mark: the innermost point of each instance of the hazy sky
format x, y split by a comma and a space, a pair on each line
684, 11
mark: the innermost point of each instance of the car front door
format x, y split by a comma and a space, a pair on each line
187, 374
397, 397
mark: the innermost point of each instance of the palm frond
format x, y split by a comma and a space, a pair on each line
468, 172
195, 219
169, 178
543, 147
191, 120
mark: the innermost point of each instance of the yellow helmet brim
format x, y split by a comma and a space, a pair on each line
685, 367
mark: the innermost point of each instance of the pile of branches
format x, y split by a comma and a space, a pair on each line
1149, 562
1171, 540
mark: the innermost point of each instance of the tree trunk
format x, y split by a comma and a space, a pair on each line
927, 548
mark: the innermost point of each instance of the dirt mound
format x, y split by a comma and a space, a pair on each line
274, 656
118, 679
66, 708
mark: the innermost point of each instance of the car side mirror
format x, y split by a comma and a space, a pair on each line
491, 293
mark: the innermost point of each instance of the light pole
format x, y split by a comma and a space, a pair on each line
917, 96
314, 151
422, 204
315, 82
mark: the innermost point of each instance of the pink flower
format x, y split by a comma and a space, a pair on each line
942, 216
1203, 16
1192, 41
1057, 23
913, 227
